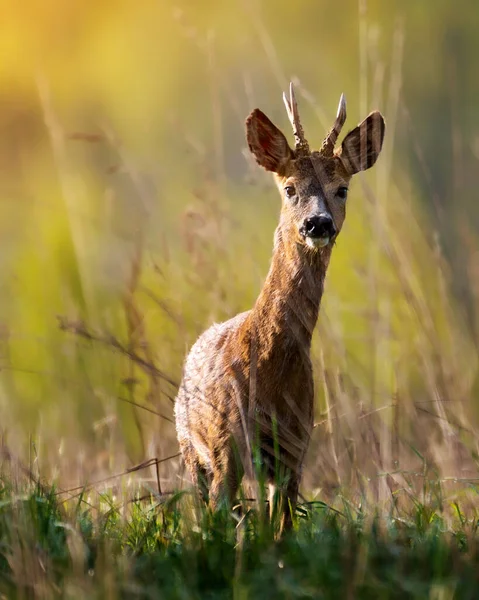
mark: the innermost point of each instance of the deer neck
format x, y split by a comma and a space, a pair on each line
287, 308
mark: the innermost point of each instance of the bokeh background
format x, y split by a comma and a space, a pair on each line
132, 217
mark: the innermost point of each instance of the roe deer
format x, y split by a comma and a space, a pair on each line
250, 378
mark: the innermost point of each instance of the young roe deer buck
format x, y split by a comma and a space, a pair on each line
250, 380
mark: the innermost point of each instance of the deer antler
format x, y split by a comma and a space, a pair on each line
301, 144
327, 147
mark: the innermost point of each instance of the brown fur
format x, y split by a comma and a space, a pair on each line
250, 379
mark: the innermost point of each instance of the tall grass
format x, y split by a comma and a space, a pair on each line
104, 546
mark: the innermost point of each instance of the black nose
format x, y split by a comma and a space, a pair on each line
320, 226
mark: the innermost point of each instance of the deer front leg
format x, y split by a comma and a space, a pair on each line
283, 500
199, 476
226, 479
290, 499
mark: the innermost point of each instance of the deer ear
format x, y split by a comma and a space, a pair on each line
361, 147
266, 142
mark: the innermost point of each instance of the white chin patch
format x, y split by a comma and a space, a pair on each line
317, 242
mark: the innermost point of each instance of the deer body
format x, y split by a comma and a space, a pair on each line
249, 381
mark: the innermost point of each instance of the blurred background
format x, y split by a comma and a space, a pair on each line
132, 217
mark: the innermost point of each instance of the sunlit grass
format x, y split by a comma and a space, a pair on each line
104, 546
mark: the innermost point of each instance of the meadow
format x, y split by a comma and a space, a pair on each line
132, 217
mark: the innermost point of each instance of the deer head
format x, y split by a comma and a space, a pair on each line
314, 184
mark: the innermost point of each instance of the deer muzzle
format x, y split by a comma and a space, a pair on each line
318, 231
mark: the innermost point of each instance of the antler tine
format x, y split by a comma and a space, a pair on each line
288, 109
341, 114
301, 144
330, 140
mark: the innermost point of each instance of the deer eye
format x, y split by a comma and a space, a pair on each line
342, 193
290, 191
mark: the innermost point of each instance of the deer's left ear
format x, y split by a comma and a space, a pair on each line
361, 147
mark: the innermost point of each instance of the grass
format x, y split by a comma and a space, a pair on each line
97, 546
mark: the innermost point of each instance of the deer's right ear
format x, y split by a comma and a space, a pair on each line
266, 142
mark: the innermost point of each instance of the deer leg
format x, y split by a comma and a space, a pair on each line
283, 498
203, 482
290, 499
199, 475
226, 479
